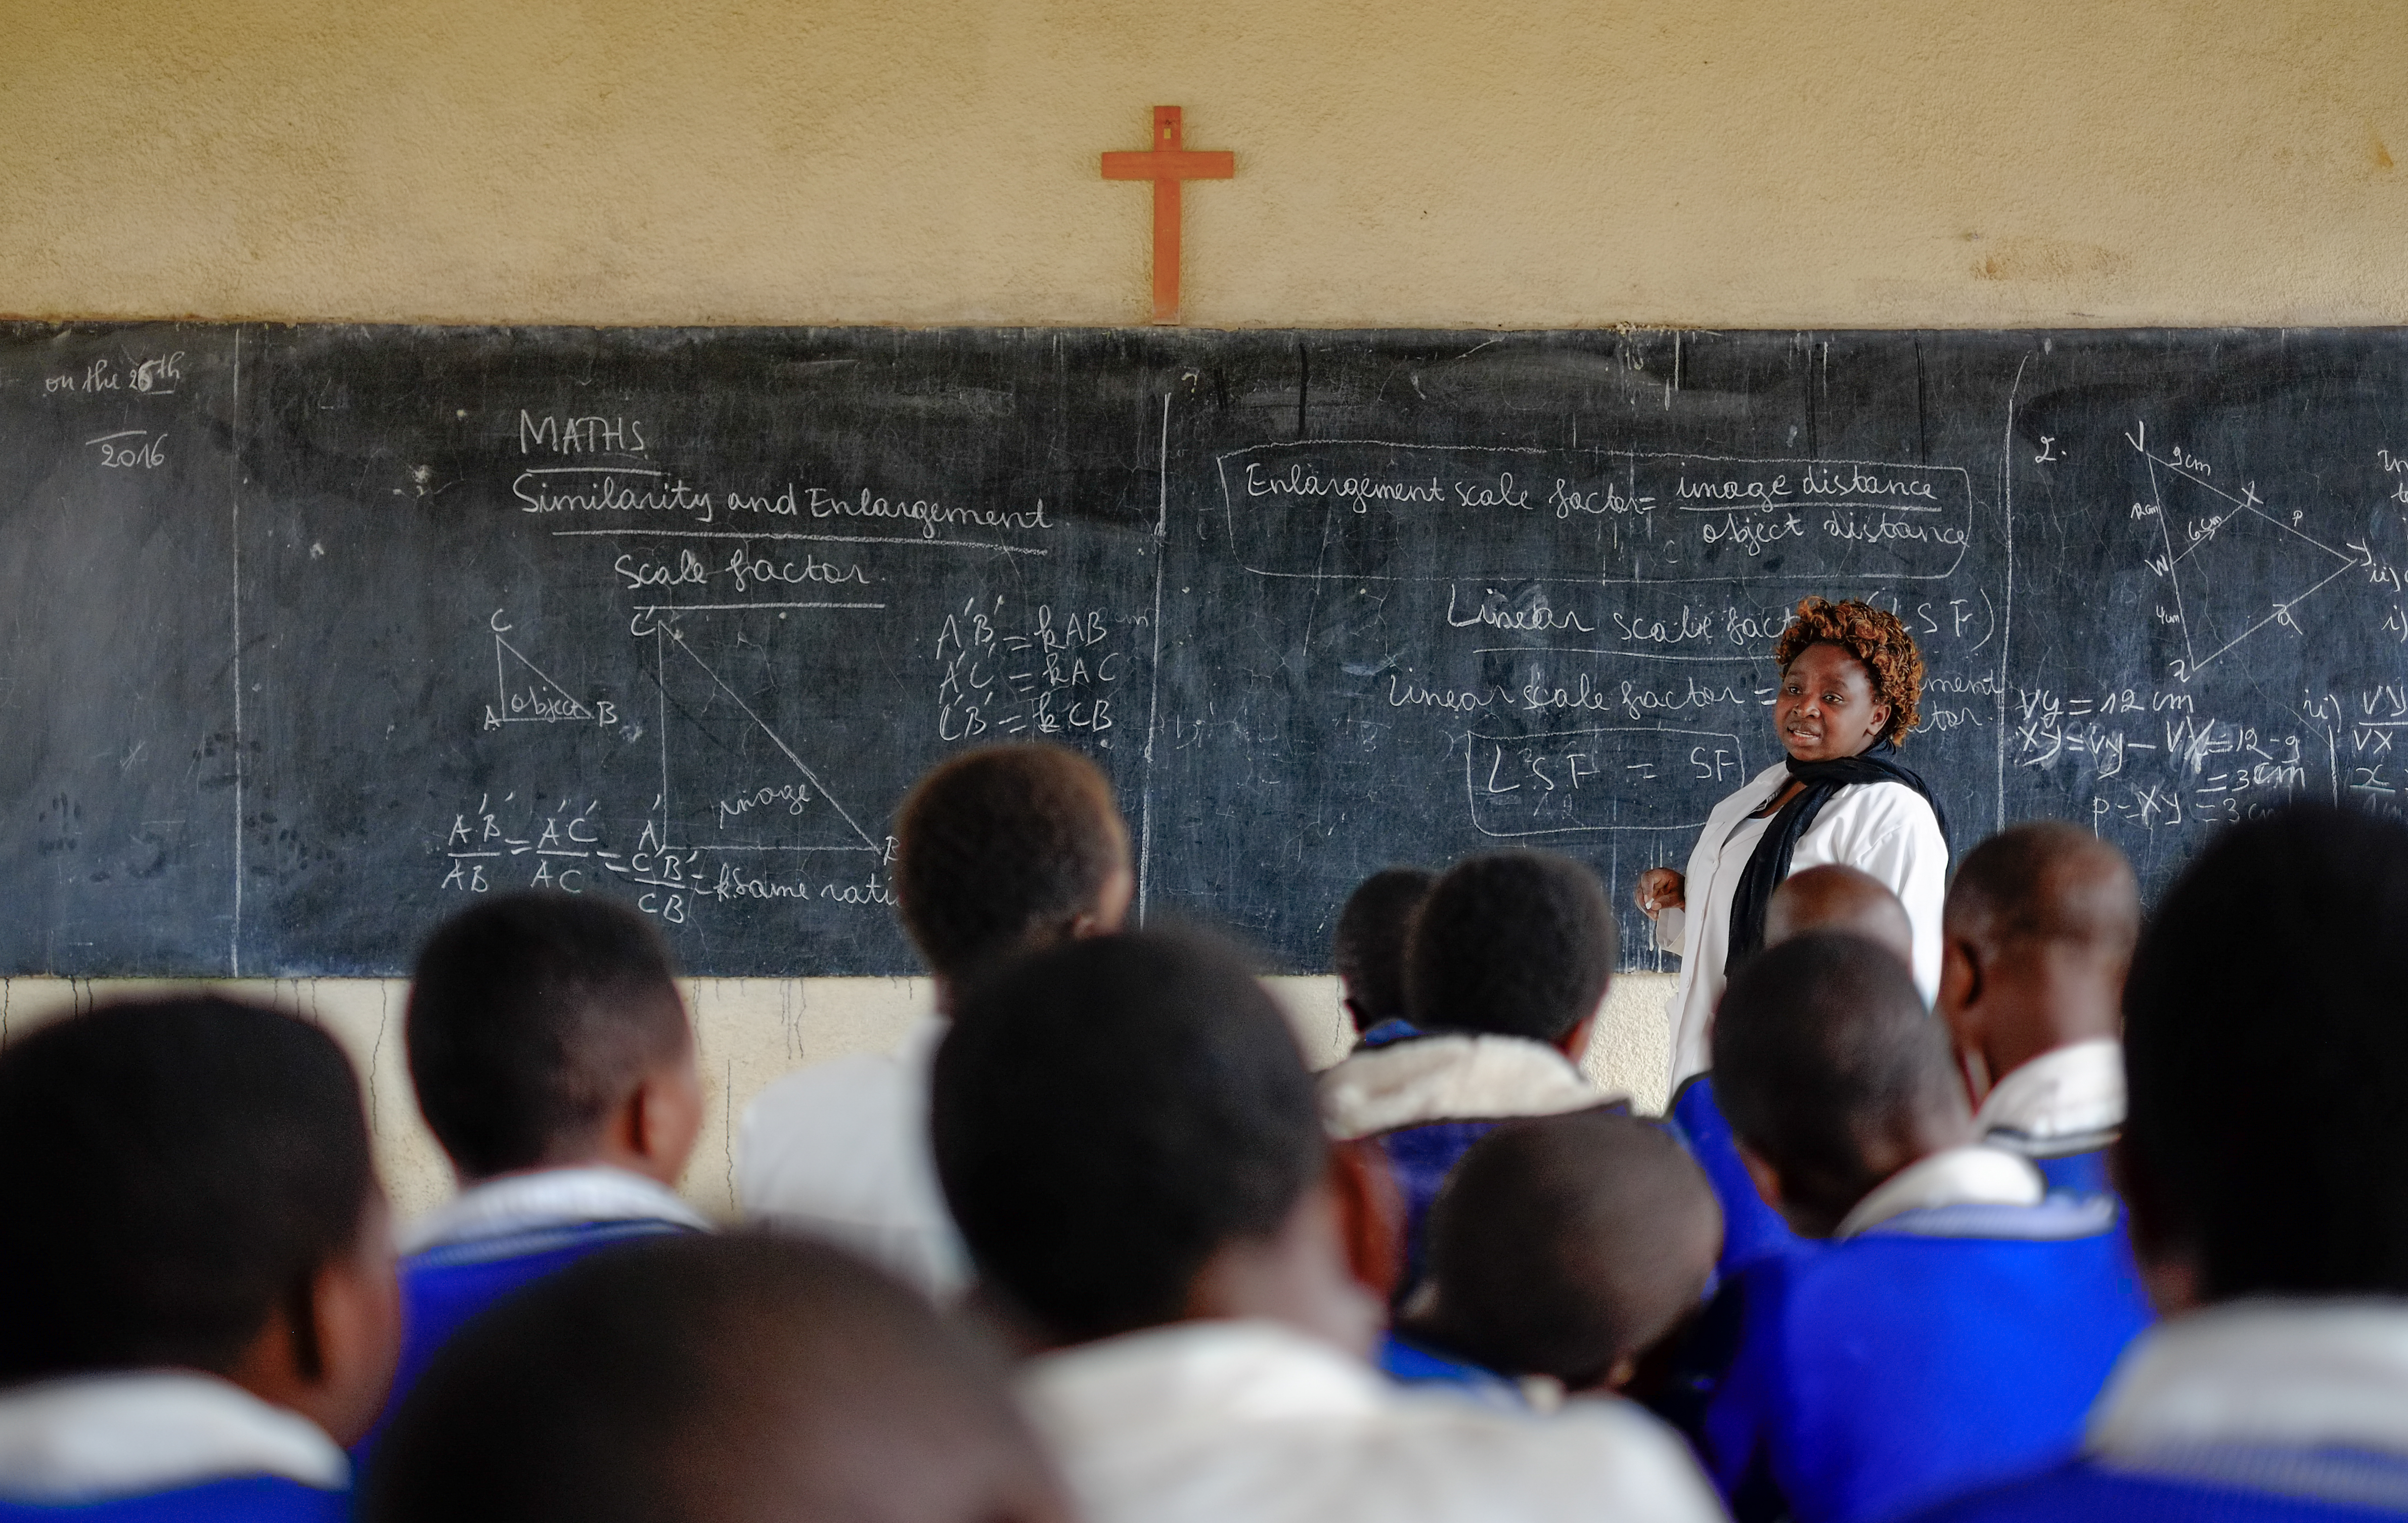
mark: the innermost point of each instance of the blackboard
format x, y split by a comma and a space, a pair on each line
311, 634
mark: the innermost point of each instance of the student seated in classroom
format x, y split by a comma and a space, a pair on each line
1505, 970
1368, 953
1831, 896
197, 1267
1000, 851
1130, 1140
554, 1061
1565, 1249
1960, 1320
739, 1379
2265, 1163
2036, 940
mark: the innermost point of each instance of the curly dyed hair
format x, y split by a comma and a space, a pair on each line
1873, 636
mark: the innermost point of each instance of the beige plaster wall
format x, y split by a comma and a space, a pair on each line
749, 1031
1519, 163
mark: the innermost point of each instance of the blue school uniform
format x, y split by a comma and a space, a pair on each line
2083, 1172
1409, 1362
444, 1287
2268, 1410
2235, 1486
248, 1498
1383, 1033
1939, 1349
506, 1234
1752, 1231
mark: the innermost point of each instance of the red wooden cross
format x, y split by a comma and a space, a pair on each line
1167, 164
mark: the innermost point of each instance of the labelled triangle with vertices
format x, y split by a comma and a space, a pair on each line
526, 694
2236, 565
729, 780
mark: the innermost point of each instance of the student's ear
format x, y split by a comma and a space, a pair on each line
1960, 979
1762, 1175
329, 1353
2169, 1266
1575, 1042
1961, 987
664, 1120
1371, 1214
1109, 911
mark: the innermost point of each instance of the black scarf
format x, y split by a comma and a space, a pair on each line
1771, 862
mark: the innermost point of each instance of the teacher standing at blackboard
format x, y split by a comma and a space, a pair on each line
1851, 682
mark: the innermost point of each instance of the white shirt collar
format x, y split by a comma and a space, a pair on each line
1978, 1176
1191, 1373
2277, 1373
2073, 1091
127, 1433
548, 1198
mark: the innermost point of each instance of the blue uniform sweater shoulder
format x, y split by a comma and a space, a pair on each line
1752, 1231
444, 1287
2077, 1173
1409, 1362
2215, 1486
1941, 1351
246, 1498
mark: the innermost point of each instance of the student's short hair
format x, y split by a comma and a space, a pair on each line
1368, 950
1108, 1115
708, 1378
2266, 1045
1562, 1243
1817, 1040
1835, 896
176, 1174
995, 845
1519, 944
531, 1017
2011, 884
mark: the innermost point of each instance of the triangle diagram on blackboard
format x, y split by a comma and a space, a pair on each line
525, 694
2237, 567
737, 783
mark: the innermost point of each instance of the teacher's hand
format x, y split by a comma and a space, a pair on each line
1661, 888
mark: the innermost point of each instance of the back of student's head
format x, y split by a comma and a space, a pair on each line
1518, 943
1822, 1048
1568, 1245
2045, 881
176, 1175
532, 1017
717, 1380
1107, 1116
1004, 850
1368, 953
1834, 896
2265, 1044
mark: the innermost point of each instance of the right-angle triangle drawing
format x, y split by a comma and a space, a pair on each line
525, 694
763, 795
